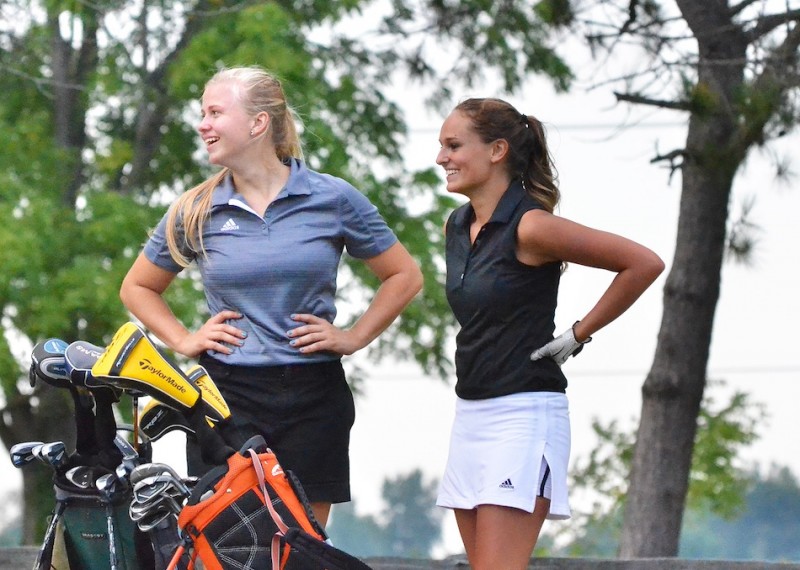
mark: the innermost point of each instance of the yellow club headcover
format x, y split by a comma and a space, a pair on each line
217, 407
133, 361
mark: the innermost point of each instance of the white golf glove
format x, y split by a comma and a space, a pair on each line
561, 347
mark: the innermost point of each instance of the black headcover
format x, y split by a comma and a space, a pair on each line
48, 363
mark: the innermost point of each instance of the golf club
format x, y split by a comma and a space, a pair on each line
109, 485
22, 453
54, 453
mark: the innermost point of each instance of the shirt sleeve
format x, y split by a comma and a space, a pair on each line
366, 233
156, 249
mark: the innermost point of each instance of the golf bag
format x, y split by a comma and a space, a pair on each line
91, 531
249, 513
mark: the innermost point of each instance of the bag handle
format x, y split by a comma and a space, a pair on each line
282, 527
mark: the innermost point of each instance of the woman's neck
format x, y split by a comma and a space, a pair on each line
485, 200
260, 182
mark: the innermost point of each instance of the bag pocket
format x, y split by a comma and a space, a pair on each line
240, 536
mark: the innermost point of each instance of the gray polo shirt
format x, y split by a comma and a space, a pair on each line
286, 262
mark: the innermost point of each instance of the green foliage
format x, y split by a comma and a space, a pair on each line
703, 101
510, 38
596, 537
360, 535
766, 110
411, 527
742, 235
555, 12
605, 470
9, 367
716, 484
413, 521
89, 162
715, 481
765, 529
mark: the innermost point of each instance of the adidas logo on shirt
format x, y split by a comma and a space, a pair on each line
507, 484
229, 226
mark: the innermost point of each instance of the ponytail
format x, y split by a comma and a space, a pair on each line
529, 159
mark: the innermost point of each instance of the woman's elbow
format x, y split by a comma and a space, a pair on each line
419, 279
416, 281
132, 290
126, 293
653, 266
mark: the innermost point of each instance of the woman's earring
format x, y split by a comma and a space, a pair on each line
251, 132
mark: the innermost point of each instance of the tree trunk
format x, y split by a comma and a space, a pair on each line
71, 69
51, 419
673, 390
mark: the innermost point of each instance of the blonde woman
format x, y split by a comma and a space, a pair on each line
267, 234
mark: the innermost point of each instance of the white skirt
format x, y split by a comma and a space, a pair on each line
499, 451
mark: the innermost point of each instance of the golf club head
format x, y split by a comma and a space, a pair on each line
106, 481
146, 474
151, 523
81, 476
147, 470
105, 485
125, 447
162, 502
123, 470
48, 363
54, 453
22, 453
109, 485
37, 453
155, 495
164, 484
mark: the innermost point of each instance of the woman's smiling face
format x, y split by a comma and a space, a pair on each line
465, 158
225, 127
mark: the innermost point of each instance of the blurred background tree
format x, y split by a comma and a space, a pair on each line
99, 112
100, 105
409, 526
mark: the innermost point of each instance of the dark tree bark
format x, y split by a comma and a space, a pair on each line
51, 420
723, 126
71, 67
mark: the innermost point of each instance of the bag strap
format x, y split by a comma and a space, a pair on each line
282, 527
173, 563
179, 554
44, 559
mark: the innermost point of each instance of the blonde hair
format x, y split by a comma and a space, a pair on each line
257, 91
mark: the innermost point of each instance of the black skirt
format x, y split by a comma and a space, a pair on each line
305, 413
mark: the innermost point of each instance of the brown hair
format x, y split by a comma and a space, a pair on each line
529, 159
257, 91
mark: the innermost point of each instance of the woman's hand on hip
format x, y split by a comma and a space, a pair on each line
317, 335
215, 334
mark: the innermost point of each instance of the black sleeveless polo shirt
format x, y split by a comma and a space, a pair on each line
506, 309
